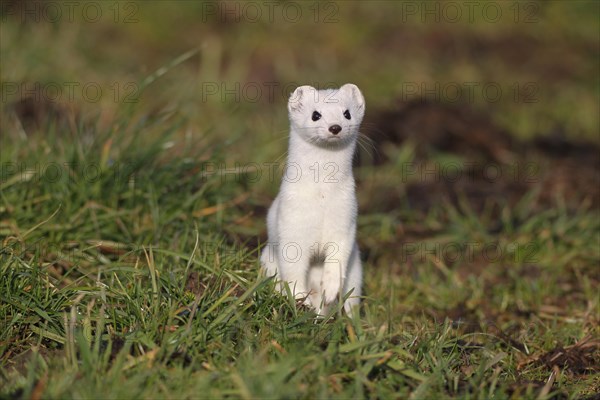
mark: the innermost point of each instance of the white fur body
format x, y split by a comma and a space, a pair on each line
312, 222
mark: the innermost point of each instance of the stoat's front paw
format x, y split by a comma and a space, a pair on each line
331, 290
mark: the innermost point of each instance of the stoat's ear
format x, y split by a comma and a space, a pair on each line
354, 93
298, 97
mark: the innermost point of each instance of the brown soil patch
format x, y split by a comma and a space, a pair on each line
495, 165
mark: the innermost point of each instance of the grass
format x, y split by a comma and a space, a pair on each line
130, 231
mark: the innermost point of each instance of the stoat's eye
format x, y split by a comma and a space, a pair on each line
316, 116
347, 114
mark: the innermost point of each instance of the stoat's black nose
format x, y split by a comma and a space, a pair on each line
335, 129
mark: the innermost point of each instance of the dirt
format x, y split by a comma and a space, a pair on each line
496, 166
32, 114
580, 358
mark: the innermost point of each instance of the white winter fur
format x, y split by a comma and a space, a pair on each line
312, 222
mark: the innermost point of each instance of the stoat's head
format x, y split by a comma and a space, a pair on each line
327, 118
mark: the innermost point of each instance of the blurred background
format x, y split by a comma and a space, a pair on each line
509, 87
